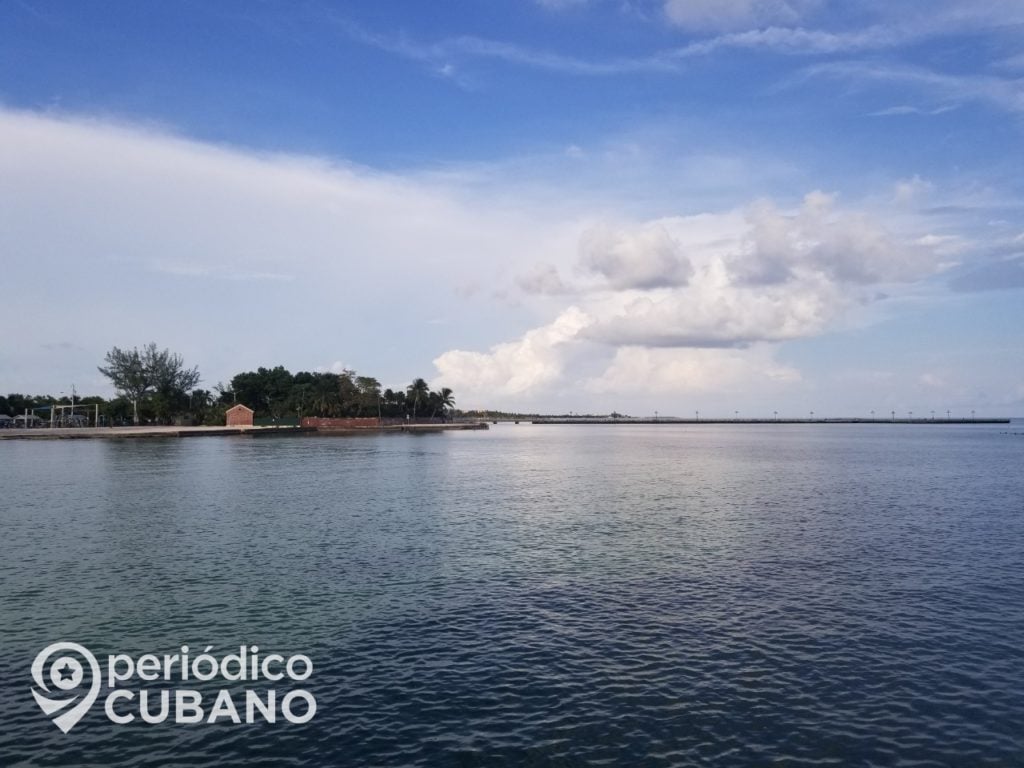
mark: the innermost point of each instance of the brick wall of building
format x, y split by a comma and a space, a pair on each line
238, 416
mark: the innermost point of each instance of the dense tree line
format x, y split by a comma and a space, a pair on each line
277, 393
155, 386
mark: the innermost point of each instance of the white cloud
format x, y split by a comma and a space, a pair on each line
775, 26
648, 257
841, 246
1001, 93
749, 279
911, 190
693, 371
560, 5
542, 279
236, 258
239, 259
735, 14
514, 368
713, 312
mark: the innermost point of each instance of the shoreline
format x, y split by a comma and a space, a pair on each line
136, 433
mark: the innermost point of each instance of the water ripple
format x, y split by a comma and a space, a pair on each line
654, 596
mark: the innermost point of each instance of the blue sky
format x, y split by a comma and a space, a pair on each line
580, 205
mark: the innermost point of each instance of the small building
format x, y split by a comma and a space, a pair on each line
238, 416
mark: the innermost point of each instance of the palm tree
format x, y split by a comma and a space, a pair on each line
417, 392
446, 399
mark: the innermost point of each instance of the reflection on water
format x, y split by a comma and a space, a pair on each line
539, 595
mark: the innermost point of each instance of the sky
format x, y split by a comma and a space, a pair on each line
587, 206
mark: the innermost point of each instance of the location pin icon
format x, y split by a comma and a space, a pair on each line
65, 673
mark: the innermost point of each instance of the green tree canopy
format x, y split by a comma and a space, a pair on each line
136, 374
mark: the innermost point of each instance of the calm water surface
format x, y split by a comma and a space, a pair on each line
539, 595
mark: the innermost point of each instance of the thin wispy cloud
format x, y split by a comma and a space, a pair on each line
787, 39
1006, 94
790, 41
908, 109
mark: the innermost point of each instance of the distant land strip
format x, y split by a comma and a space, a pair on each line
670, 420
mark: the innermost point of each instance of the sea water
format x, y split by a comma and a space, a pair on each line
628, 595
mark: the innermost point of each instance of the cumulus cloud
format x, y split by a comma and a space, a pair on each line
844, 247
241, 259
749, 279
646, 258
536, 360
717, 313
542, 279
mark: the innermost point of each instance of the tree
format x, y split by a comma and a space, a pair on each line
369, 396
324, 392
417, 392
137, 374
170, 379
265, 390
167, 372
127, 373
446, 399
